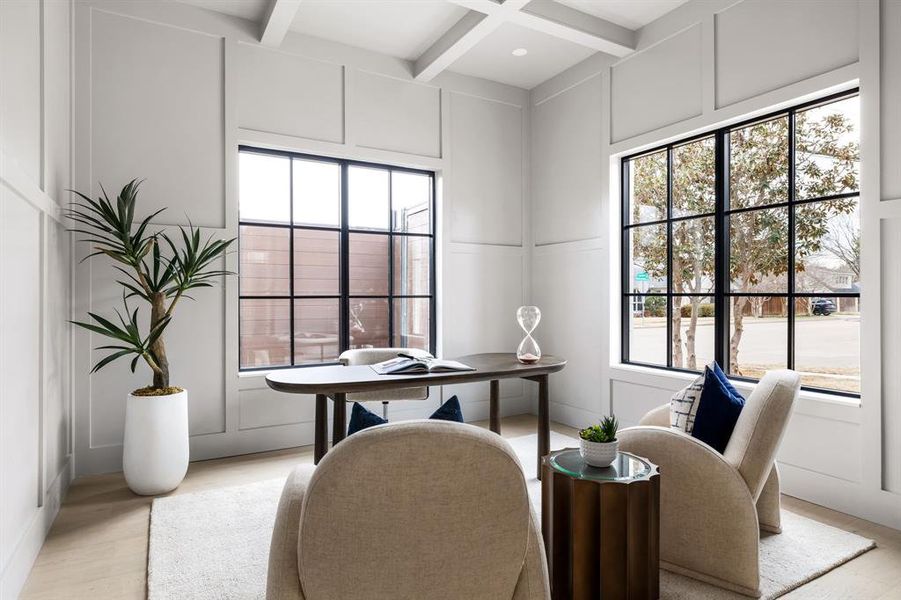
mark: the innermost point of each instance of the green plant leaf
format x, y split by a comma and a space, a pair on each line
102, 363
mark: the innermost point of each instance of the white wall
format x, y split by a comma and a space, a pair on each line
167, 92
35, 413
704, 65
568, 129
889, 212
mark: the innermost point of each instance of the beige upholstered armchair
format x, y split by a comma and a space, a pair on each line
713, 505
410, 510
369, 356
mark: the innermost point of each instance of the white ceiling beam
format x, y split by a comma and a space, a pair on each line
576, 26
489, 7
483, 17
466, 33
277, 21
561, 22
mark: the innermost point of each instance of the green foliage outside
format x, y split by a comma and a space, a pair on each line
703, 310
655, 306
826, 164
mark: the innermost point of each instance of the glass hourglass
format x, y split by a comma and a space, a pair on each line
528, 351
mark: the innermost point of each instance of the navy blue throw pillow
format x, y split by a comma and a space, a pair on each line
449, 411
361, 418
718, 409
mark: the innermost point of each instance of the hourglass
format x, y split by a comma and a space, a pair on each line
528, 351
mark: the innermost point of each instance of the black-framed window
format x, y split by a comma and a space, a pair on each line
334, 254
743, 245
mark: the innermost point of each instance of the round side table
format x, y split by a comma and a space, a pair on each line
601, 527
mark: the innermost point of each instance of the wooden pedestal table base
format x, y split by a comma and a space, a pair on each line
601, 527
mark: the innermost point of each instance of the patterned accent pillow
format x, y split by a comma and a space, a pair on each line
683, 406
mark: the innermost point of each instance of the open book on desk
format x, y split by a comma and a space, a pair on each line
405, 364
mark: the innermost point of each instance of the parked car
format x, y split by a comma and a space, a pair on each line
823, 306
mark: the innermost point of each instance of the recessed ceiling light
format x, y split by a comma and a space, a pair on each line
520, 52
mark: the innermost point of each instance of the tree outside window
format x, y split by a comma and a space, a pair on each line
789, 242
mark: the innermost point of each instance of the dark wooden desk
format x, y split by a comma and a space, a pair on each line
337, 381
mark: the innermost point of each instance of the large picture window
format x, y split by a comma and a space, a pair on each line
334, 254
743, 245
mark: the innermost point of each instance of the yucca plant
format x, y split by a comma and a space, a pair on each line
155, 268
604, 432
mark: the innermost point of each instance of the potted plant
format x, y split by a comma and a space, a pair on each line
160, 271
598, 443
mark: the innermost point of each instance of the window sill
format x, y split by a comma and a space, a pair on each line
255, 380
252, 380
676, 380
252, 374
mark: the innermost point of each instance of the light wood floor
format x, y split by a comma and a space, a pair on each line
97, 547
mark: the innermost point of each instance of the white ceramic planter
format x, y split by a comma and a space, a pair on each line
156, 453
598, 454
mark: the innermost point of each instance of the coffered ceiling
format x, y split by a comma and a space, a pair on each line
473, 37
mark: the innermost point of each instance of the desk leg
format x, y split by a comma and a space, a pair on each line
494, 413
321, 428
544, 421
339, 425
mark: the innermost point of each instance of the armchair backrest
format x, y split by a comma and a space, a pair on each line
761, 426
419, 509
369, 356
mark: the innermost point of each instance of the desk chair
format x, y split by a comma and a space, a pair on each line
369, 356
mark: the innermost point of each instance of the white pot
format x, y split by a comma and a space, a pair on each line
155, 455
598, 454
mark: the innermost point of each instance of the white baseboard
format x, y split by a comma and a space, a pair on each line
878, 506
573, 416
15, 574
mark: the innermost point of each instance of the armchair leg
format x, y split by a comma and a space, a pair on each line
769, 504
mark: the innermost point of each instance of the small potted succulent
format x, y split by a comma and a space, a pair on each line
598, 443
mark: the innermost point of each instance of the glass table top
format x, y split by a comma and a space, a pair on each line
625, 467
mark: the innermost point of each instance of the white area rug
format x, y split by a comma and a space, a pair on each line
215, 544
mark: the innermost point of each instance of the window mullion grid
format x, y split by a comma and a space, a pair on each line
344, 231
344, 262
240, 297
669, 257
625, 260
291, 256
688, 217
721, 251
433, 292
790, 308
722, 276
390, 259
